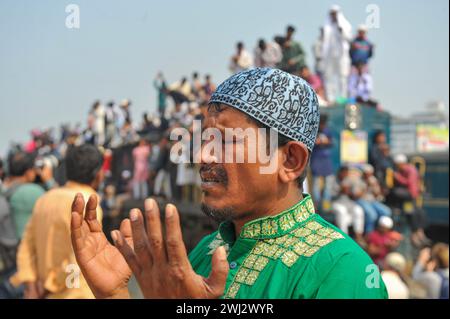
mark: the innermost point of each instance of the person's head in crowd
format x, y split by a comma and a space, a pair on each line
379, 138
36, 136
143, 141
224, 197
72, 138
96, 105
305, 73
334, 10
21, 165
367, 170
343, 172
362, 31
107, 154
110, 104
83, 165
262, 44
439, 254
35, 133
183, 81
278, 39
290, 29
346, 185
125, 103
146, 118
396, 262
239, 47
110, 190
208, 78
195, 75
385, 224
400, 161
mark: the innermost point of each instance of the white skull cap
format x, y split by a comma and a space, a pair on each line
386, 222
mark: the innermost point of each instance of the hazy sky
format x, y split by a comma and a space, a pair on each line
50, 74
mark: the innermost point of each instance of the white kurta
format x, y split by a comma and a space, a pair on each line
336, 57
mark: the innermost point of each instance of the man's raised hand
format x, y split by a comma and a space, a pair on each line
160, 263
102, 265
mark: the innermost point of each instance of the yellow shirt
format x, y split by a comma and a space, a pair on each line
45, 253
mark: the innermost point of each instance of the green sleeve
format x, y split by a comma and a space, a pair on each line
353, 276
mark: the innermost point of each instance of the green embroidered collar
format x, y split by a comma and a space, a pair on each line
272, 226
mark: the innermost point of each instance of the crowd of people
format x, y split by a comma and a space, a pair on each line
341, 60
121, 159
378, 203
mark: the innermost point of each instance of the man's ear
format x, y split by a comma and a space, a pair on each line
294, 160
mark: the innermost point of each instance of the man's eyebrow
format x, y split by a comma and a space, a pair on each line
215, 108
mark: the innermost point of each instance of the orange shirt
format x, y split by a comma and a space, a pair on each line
45, 253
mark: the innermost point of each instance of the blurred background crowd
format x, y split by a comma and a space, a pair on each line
378, 202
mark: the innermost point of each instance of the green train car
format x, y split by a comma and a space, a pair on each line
354, 117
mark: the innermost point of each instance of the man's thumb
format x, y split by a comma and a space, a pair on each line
219, 272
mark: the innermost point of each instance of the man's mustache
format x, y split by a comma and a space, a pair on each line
218, 172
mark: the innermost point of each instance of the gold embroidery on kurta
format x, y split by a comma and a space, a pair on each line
304, 241
260, 263
216, 243
232, 291
279, 238
285, 222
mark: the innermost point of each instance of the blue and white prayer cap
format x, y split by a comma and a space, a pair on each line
283, 102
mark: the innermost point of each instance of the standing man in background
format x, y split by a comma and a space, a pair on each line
267, 54
361, 49
293, 54
242, 60
45, 257
337, 33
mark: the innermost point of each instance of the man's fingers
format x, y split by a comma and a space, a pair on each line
125, 229
77, 212
176, 251
77, 218
154, 231
219, 272
126, 251
91, 208
91, 214
75, 226
78, 204
140, 242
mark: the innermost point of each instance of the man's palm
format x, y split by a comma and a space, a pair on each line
103, 266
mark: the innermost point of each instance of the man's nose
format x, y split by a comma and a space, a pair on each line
207, 155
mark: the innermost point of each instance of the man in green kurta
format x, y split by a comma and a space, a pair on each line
270, 244
295, 254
